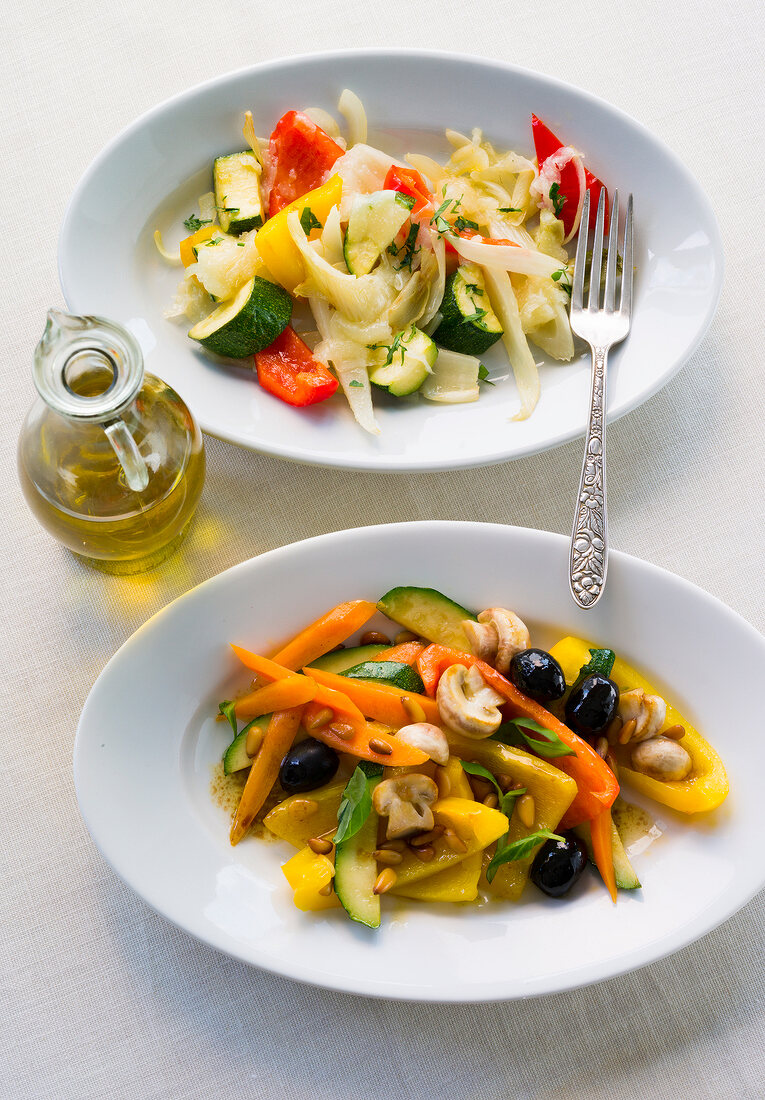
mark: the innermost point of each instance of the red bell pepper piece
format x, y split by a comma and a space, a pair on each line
596, 783
301, 156
288, 370
410, 182
545, 145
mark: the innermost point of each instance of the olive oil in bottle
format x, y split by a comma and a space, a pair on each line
110, 460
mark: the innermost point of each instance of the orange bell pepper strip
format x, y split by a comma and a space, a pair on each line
292, 691
326, 633
383, 702
345, 711
600, 831
407, 653
597, 786
188, 243
279, 736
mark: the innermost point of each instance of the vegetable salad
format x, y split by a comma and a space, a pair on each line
328, 265
449, 758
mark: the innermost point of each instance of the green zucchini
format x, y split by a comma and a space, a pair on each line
409, 360
469, 324
341, 659
356, 866
235, 757
626, 879
248, 322
373, 223
395, 673
236, 180
428, 613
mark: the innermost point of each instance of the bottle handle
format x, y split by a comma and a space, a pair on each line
130, 458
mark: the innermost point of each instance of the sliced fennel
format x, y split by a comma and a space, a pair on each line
505, 306
351, 362
503, 257
454, 379
352, 109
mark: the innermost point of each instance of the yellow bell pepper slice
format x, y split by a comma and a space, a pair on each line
308, 874
289, 822
707, 785
459, 882
477, 825
188, 244
275, 245
552, 790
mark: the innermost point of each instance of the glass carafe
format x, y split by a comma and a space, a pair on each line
111, 460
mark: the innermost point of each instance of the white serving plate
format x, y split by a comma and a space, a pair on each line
147, 741
151, 174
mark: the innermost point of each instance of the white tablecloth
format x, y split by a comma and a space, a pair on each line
102, 998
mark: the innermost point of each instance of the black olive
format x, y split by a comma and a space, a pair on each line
537, 674
558, 864
307, 765
591, 705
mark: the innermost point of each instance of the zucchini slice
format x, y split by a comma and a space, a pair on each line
454, 380
428, 613
248, 322
373, 223
236, 180
235, 758
356, 866
469, 324
341, 659
395, 673
410, 359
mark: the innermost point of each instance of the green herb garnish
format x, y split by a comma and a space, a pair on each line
520, 729
193, 223
355, 382
461, 223
356, 804
505, 798
408, 248
213, 241
557, 199
483, 375
405, 200
510, 209
308, 221
438, 219
517, 849
563, 278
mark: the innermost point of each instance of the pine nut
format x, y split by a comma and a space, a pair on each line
320, 846
374, 637
301, 808
341, 730
384, 881
611, 761
526, 810
675, 733
320, 718
614, 726
326, 890
388, 857
382, 748
456, 843
491, 801
254, 740
413, 709
627, 731
601, 746
405, 636
506, 782
425, 854
421, 839
393, 846
443, 782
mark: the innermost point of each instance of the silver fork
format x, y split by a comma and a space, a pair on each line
601, 327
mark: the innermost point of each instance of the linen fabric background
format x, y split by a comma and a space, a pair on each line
103, 998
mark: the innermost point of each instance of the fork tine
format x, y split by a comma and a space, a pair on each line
625, 308
613, 233
593, 302
580, 260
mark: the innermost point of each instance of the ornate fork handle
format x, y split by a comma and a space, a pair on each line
588, 563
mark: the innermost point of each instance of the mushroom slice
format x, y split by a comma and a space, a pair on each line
512, 635
662, 758
406, 800
428, 738
467, 704
648, 711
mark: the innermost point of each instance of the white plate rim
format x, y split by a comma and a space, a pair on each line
712, 917
395, 463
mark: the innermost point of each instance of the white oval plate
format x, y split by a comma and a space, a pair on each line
147, 741
152, 173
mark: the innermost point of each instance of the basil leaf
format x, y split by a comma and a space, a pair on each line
507, 801
356, 804
517, 849
228, 709
515, 733
484, 773
601, 661
308, 220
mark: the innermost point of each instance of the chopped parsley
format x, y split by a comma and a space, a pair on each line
213, 240
557, 199
511, 209
354, 382
193, 223
308, 220
475, 288
483, 375
407, 250
438, 219
563, 278
461, 223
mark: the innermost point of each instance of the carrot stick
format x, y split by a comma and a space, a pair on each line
407, 653
326, 633
400, 755
600, 831
292, 691
383, 702
279, 736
